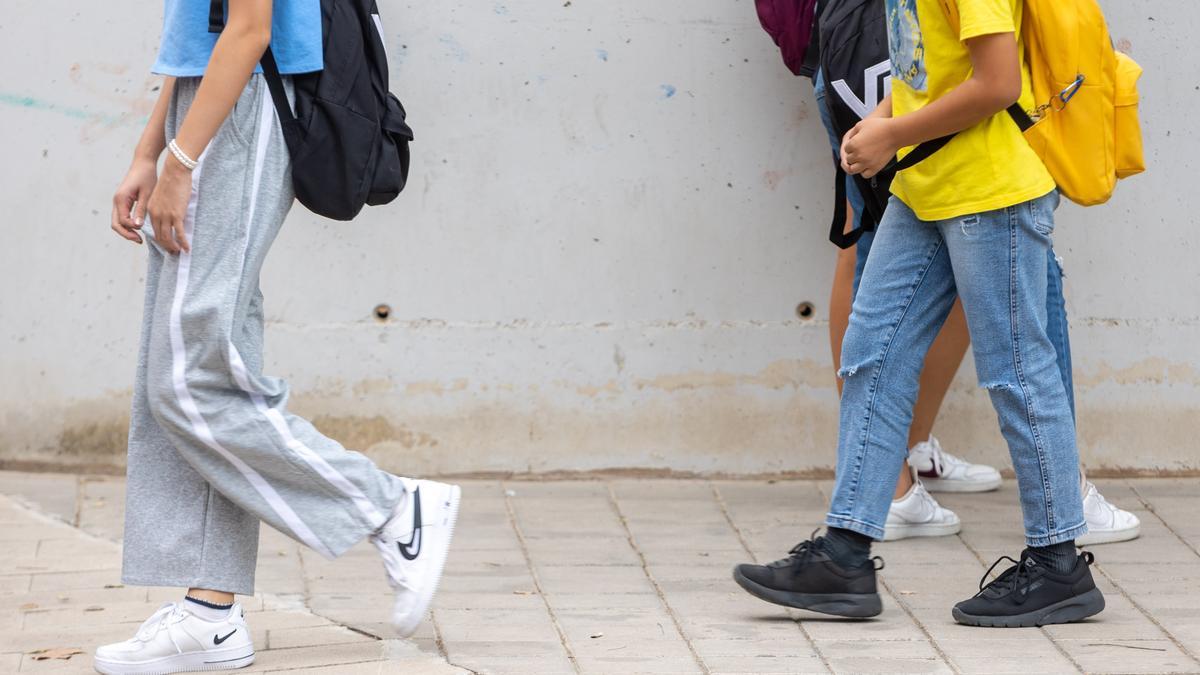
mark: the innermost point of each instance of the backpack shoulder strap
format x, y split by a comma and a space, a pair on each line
924, 150
216, 16
837, 229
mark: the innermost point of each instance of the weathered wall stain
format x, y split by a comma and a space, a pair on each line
363, 433
102, 442
782, 374
1154, 370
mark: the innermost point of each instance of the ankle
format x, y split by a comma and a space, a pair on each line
1059, 558
211, 597
207, 610
847, 548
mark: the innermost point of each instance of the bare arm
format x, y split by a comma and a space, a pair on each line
238, 50
153, 140
136, 188
240, 46
994, 84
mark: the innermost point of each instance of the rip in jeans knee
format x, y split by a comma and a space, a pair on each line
998, 386
848, 371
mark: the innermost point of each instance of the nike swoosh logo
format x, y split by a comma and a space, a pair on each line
412, 549
219, 640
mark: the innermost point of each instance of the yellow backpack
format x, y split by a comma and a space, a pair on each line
1085, 127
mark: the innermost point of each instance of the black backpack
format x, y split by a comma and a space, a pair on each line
857, 71
856, 68
347, 138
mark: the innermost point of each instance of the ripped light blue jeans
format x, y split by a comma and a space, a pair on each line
998, 263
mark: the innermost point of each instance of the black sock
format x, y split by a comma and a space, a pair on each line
1059, 557
847, 548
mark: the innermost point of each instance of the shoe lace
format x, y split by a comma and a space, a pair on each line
166, 615
933, 448
942, 459
1016, 578
802, 552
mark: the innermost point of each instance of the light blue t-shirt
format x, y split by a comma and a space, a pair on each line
187, 44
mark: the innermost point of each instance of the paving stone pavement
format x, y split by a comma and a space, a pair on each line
615, 576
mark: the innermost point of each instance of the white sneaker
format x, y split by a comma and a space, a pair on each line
1106, 523
943, 472
414, 544
917, 514
173, 640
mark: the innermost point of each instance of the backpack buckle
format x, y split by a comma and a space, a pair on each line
1062, 98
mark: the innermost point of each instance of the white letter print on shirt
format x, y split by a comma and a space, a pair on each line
871, 98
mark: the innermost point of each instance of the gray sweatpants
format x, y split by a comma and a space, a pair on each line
212, 448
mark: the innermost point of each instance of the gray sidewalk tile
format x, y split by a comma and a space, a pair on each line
764, 665
886, 665
558, 580
602, 552
54, 493
1102, 655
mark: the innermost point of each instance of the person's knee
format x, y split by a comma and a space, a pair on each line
861, 352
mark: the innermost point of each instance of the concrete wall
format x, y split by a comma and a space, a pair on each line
615, 209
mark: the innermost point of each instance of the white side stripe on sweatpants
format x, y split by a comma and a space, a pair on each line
188, 404
374, 518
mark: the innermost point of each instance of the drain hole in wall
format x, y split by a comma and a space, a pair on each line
805, 310
382, 312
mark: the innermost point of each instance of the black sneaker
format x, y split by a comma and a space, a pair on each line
1031, 594
809, 579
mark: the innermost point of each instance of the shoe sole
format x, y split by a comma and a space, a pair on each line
1066, 611
407, 624
898, 532
852, 605
180, 663
1093, 538
940, 485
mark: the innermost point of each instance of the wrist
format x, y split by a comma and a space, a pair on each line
173, 167
146, 155
181, 158
898, 132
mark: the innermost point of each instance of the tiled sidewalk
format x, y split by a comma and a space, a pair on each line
618, 576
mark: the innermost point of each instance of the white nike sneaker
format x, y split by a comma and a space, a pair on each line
414, 544
1106, 523
917, 514
943, 472
173, 640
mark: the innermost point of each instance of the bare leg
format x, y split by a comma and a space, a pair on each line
215, 597
839, 306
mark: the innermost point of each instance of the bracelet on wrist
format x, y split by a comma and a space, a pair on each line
187, 162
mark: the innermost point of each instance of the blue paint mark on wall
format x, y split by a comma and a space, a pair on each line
500, 9
602, 54
31, 103
453, 49
668, 90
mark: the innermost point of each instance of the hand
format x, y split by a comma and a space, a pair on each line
129, 202
168, 206
869, 146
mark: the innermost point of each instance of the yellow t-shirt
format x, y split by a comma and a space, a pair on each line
989, 166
